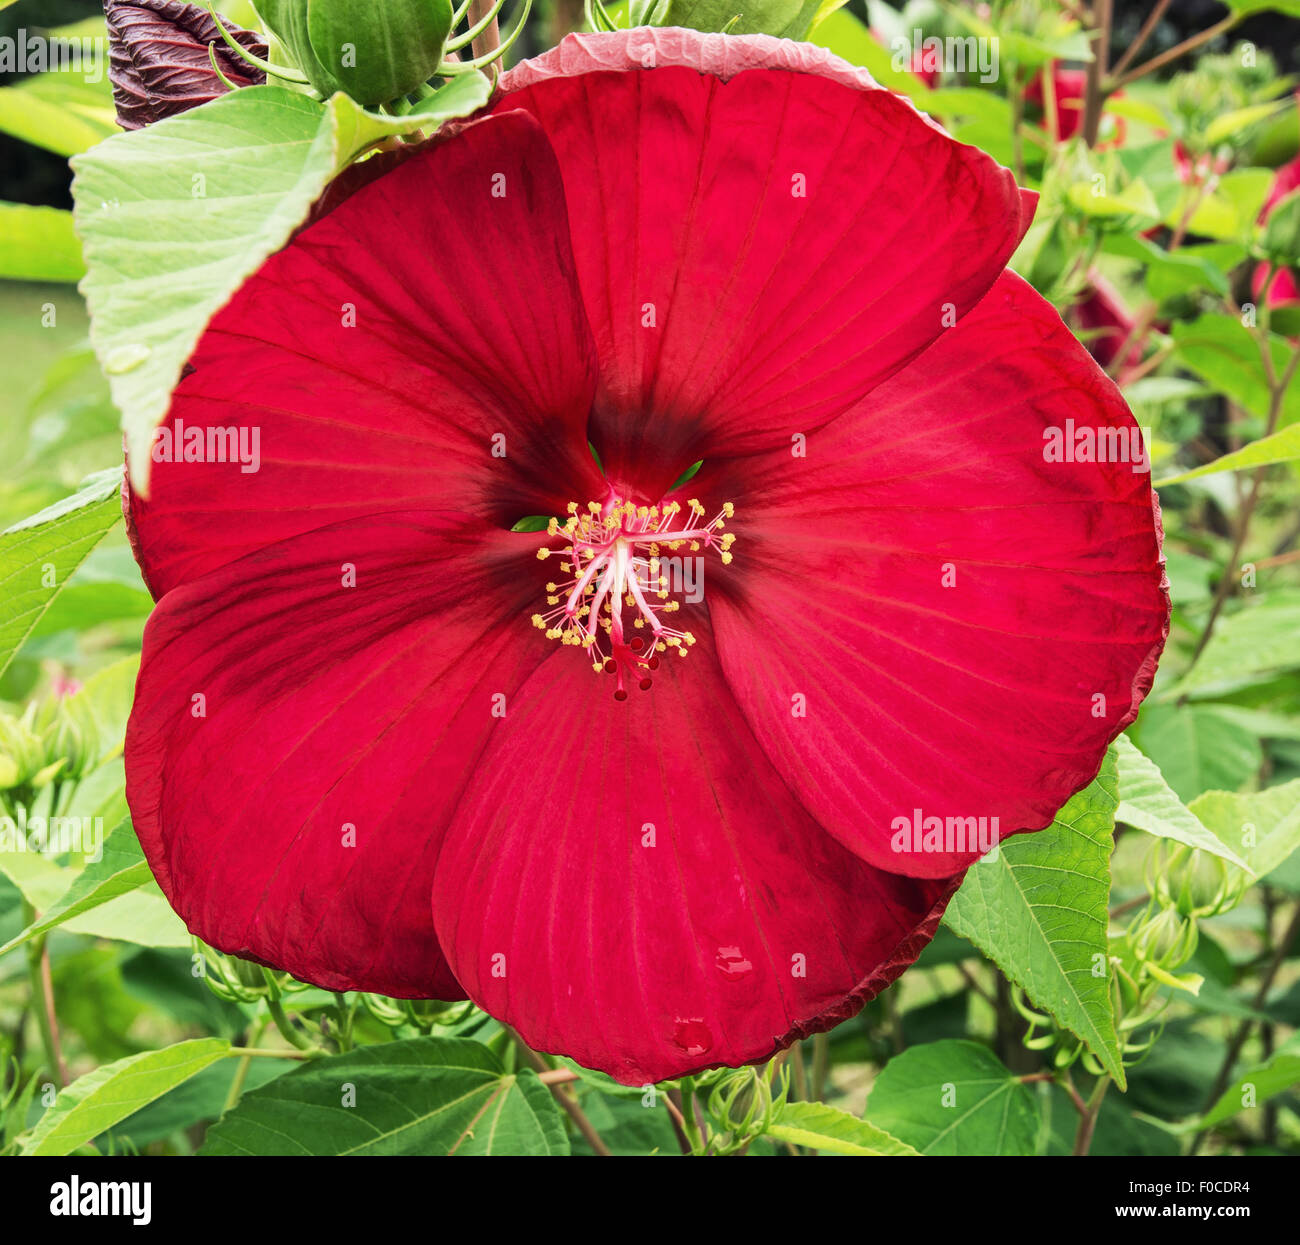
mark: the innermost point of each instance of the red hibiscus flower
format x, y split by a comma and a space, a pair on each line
357, 756
1105, 319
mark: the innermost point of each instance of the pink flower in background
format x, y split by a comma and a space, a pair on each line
1284, 289
1106, 324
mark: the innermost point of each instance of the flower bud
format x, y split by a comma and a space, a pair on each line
72, 736
22, 755
1162, 940
373, 52
159, 59
1196, 883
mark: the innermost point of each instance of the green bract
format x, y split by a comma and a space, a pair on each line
373, 52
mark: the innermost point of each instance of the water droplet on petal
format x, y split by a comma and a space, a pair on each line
692, 1036
732, 964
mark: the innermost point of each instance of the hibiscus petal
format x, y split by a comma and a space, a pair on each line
977, 699
762, 234
277, 708
736, 928
415, 348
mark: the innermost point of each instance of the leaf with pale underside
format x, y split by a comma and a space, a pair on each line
816, 1126
38, 555
95, 1102
174, 217
1147, 802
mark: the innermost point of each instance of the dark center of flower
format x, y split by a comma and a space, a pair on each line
617, 556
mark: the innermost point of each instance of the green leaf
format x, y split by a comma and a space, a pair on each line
423, 1096
1059, 40
1263, 826
1037, 908
819, 1127
46, 112
1281, 447
161, 259
1148, 803
789, 19
1289, 7
38, 555
1155, 390
1141, 110
1176, 272
969, 102
1280, 1072
108, 695
1197, 748
141, 915
1229, 212
954, 1097
38, 244
120, 869
100, 1099
1258, 638
1223, 352
1227, 124
851, 40
1135, 200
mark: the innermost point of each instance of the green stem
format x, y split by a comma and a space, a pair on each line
237, 1082
265, 1052
821, 1065
1088, 1122
689, 1122
42, 992
282, 1021
1096, 92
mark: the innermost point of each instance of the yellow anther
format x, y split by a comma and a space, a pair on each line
728, 509
543, 554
